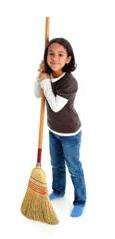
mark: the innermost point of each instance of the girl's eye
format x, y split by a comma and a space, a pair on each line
53, 55
50, 54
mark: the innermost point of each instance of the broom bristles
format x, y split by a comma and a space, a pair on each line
36, 204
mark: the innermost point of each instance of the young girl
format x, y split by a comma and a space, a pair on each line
60, 87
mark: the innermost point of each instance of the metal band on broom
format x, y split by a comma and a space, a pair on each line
36, 204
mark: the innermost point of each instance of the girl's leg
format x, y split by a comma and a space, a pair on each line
58, 165
71, 148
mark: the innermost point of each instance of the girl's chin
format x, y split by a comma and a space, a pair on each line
54, 68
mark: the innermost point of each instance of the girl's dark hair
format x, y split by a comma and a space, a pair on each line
71, 66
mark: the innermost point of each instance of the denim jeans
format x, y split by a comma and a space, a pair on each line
65, 150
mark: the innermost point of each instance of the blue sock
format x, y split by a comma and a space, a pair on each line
55, 195
77, 210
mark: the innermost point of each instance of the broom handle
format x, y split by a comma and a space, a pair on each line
42, 109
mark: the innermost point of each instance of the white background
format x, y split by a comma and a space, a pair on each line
89, 26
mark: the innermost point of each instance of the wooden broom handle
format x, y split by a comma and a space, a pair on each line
42, 109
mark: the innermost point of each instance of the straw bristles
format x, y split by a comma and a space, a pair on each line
36, 204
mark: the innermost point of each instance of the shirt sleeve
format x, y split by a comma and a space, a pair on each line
67, 89
37, 88
56, 102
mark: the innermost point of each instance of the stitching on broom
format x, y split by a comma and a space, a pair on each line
36, 188
38, 180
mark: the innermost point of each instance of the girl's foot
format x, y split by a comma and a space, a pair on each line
77, 211
55, 195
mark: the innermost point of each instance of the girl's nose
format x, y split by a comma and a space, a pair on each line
54, 57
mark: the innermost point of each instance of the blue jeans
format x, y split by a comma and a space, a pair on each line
65, 150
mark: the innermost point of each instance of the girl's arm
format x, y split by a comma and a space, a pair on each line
56, 102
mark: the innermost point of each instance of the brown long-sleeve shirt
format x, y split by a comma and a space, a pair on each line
63, 120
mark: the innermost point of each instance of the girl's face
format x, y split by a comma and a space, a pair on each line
57, 58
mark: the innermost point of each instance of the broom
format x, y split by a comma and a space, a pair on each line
36, 204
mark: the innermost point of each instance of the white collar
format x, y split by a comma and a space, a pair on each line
57, 78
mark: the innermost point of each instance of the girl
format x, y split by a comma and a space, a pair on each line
60, 87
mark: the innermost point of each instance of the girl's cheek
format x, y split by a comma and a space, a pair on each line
48, 59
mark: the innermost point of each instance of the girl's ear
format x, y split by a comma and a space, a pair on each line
68, 59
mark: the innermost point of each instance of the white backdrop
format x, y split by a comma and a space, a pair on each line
89, 26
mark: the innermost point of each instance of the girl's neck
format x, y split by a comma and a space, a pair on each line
57, 74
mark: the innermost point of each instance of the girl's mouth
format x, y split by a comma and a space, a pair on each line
54, 63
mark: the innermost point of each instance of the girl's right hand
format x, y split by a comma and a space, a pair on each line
41, 67
42, 74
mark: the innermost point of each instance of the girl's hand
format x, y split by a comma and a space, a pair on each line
42, 74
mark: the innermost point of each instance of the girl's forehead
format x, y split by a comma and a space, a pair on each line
56, 46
